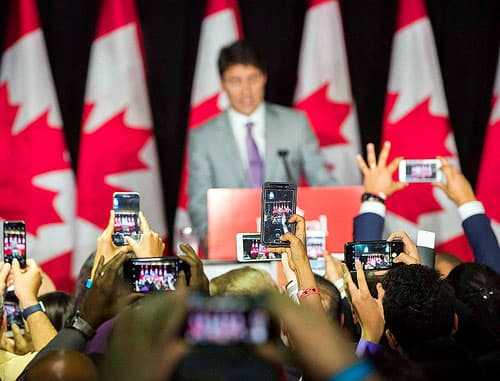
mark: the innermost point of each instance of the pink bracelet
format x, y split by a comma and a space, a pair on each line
308, 291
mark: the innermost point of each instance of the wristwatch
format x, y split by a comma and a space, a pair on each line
32, 309
77, 322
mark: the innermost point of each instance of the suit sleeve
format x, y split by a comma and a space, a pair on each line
313, 163
483, 241
368, 227
199, 182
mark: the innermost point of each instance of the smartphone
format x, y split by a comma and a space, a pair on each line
13, 313
279, 202
315, 243
14, 242
154, 274
420, 171
126, 207
374, 255
250, 249
226, 320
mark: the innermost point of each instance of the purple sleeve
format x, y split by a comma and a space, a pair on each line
365, 346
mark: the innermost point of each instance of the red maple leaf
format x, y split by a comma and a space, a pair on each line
417, 135
36, 150
111, 149
326, 116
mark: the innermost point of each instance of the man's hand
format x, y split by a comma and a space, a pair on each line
99, 303
377, 176
4, 273
198, 280
27, 282
105, 245
369, 311
19, 344
150, 245
457, 187
410, 255
333, 268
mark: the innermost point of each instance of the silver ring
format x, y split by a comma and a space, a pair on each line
101, 273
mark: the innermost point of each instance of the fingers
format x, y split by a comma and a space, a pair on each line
384, 154
351, 287
181, 281
98, 268
393, 165
380, 292
133, 244
362, 164
16, 267
144, 223
18, 336
360, 274
4, 273
111, 225
370, 154
289, 237
405, 258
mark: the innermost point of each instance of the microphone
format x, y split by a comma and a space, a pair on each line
425, 247
283, 153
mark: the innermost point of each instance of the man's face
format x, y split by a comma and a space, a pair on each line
244, 85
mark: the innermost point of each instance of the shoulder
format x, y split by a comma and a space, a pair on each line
209, 127
284, 112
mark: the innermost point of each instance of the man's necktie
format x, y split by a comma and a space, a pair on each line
255, 165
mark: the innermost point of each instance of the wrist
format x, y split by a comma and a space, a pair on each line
27, 302
371, 336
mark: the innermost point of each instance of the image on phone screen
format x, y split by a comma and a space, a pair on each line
278, 206
126, 207
250, 248
372, 255
14, 315
226, 325
14, 242
152, 275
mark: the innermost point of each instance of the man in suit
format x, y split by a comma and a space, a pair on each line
239, 148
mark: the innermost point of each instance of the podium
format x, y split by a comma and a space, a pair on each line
232, 211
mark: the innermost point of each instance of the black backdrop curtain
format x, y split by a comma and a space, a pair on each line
467, 34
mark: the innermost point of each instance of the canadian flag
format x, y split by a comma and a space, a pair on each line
488, 183
220, 27
36, 180
416, 122
117, 146
324, 92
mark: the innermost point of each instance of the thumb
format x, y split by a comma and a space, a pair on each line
16, 267
133, 244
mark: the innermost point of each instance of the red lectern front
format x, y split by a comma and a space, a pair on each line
232, 211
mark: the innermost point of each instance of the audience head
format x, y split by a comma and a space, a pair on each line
242, 281
418, 307
63, 366
478, 287
330, 298
445, 262
58, 307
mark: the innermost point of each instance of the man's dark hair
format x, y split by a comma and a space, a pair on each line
331, 296
478, 287
418, 305
240, 52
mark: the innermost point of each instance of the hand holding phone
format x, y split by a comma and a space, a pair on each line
279, 202
420, 171
373, 255
126, 223
13, 313
14, 242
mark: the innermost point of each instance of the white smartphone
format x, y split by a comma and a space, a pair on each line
420, 171
250, 249
315, 243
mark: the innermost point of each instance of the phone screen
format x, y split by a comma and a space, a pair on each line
278, 205
14, 242
14, 315
374, 255
254, 250
225, 320
153, 274
422, 171
126, 207
315, 244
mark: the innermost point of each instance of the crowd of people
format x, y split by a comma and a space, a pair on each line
410, 322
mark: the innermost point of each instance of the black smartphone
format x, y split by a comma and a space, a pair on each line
154, 274
374, 255
279, 202
126, 206
14, 242
226, 320
13, 313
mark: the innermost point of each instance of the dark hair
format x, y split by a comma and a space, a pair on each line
329, 294
418, 305
240, 52
58, 307
478, 287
